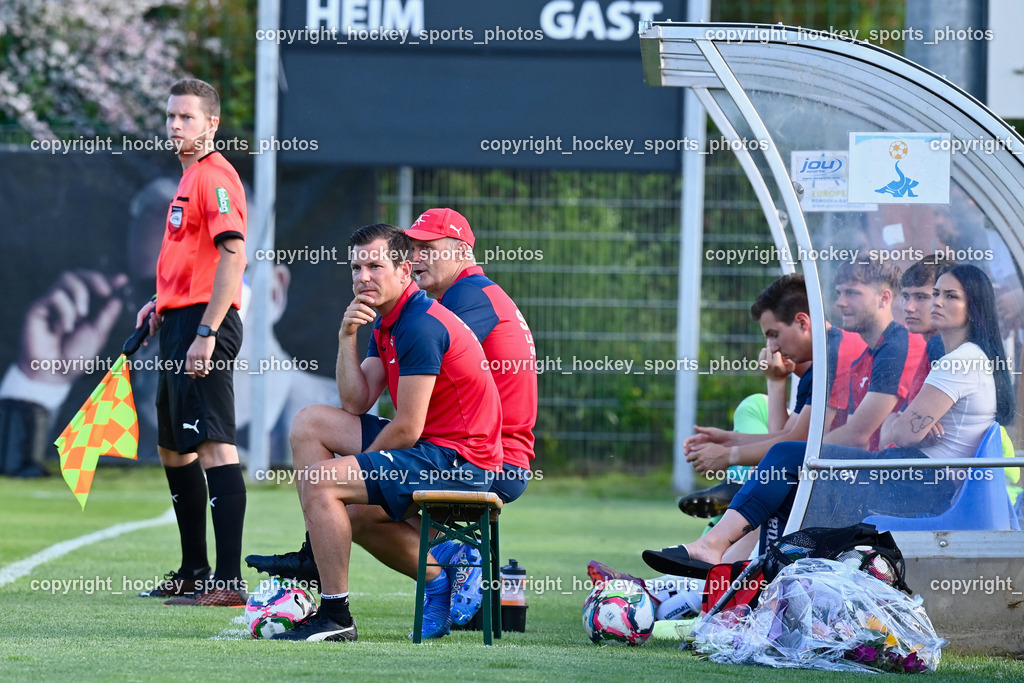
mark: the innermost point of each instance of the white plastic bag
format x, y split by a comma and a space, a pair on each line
822, 614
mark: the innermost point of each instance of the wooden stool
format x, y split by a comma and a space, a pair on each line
468, 517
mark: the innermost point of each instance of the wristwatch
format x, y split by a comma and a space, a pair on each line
206, 331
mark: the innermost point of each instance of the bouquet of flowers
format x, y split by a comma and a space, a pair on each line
880, 649
822, 614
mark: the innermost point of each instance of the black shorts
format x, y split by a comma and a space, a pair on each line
191, 410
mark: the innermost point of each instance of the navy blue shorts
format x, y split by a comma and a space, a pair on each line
511, 482
392, 476
372, 426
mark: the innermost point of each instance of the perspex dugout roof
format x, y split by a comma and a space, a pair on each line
795, 102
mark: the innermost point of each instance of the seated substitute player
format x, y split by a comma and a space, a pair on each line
916, 286
783, 312
784, 315
881, 378
444, 266
446, 433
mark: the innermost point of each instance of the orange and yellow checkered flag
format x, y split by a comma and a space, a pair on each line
106, 425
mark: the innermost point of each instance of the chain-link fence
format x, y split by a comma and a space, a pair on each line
591, 259
602, 300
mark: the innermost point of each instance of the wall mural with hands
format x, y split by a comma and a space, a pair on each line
82, 234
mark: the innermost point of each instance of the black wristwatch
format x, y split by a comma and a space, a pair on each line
206, 331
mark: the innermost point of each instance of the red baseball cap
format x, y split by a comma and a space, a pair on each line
434, 224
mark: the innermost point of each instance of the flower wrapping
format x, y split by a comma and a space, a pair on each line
822, 614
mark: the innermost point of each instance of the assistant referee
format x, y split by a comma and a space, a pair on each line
198, 296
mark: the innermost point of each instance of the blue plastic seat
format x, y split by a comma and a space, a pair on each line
980, 504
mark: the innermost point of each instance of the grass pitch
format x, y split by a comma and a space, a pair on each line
97, 629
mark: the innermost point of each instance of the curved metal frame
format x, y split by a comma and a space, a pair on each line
803, 239
700, 62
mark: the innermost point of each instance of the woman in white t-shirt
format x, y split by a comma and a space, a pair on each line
966, 391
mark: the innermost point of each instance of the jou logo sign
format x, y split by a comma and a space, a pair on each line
822, 166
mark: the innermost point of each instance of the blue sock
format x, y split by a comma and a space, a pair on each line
444, 552
437, 606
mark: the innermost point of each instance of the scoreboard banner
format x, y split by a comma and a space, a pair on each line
530, 84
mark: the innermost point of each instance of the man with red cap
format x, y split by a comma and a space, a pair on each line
444, 266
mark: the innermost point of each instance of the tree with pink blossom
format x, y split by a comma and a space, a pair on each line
87, 65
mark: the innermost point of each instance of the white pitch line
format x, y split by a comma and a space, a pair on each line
16, 570
232, 634
235, 633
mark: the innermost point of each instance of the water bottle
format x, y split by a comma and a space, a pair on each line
513, 597
513, 584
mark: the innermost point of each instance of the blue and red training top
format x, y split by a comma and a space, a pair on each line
888, 368
419, 336
508, 344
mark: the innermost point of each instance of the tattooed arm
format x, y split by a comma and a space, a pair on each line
919, 420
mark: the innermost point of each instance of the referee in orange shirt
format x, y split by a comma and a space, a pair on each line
198, 296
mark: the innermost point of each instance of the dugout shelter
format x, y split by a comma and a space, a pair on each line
853, 151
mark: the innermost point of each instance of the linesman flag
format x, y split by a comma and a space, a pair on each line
106, 425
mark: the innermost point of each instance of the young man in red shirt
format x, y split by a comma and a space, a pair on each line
881, 378
198, 295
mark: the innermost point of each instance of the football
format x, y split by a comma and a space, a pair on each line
618, 611
276, 606
898, 150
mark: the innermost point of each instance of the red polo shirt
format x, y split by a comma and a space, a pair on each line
208, 208
508, 344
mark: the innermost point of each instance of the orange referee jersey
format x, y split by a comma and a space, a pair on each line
209, 207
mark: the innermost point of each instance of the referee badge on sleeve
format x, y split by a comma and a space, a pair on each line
223, 203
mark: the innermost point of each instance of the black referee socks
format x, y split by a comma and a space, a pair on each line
188, 494
227, 507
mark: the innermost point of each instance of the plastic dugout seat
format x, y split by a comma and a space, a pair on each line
980, 504
469, 517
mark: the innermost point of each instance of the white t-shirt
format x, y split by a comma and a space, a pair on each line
965, 374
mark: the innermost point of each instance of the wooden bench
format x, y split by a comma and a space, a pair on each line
469, 517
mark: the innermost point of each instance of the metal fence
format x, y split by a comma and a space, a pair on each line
591, 259
605, 291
